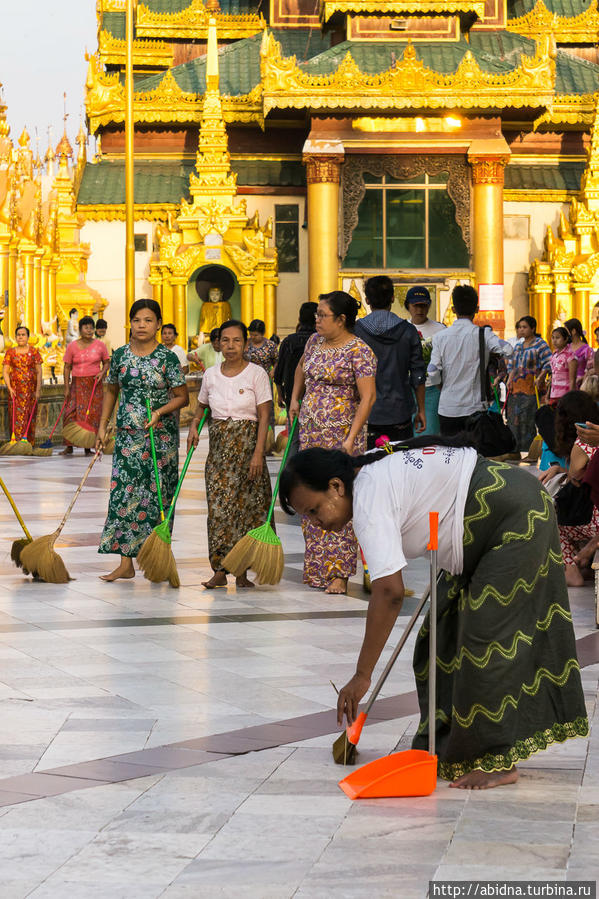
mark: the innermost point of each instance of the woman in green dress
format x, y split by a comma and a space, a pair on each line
141, 369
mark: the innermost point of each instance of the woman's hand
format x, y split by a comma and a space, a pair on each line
293, 410
193, 438
348, 445
349, 698
550, 473
100, 437
11, 390
256, 465
153, 421
590, 434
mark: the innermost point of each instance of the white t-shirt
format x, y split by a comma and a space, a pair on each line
426, 330
236, 397
392, 501
180, 354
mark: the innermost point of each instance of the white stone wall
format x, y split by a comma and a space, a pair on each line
106, 270
525, 226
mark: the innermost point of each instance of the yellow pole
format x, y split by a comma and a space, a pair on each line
270, 311
12, 287
323, 176
129, 159
247, 301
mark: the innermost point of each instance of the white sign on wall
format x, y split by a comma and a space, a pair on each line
490, 297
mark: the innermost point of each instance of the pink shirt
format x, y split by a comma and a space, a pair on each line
560, 372
237, 397
86, 360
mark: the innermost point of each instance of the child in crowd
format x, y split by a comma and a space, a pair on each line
563, 366
101, 329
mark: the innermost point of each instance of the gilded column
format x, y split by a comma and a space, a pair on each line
581, 306
29, 292
167, 305
180, 310
247, 302
12, 287
46, 288
52, 291
323, 175
270, 313
4, 255
37, 291
487, 219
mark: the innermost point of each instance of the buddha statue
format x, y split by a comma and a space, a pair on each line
214, 311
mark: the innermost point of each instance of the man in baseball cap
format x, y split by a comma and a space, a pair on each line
418, 302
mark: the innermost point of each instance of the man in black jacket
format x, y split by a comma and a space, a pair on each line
290, 353
401, 370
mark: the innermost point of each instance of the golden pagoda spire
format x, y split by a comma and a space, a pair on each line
213, 163
4, 126
50, 157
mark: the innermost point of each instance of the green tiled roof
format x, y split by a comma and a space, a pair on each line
563, 176
103, 183
567, 8
575, 76
239, 63
114, 22
228, 7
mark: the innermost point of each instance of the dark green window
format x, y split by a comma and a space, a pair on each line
407, 224
140, 242
287, 236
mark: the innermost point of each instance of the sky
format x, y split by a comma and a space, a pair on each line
42, 47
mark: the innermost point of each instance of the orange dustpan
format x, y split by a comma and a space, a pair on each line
413, 772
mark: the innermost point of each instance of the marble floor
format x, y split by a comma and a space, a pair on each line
177, 743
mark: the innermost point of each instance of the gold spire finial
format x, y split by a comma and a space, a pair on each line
24, 139
4, 126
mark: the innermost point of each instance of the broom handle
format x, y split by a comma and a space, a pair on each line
432, 633
77, 492
15, 510
408, 630
155, 461
185, 467
89, 405
29, 421
58, 419
14, 417
284, 459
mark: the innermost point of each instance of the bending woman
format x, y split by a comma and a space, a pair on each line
142, 368
237, 482
508, 681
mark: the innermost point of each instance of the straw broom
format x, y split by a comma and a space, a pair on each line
155, 558
39, 557
79, 433
47, 444
12, 447
261, 549
18, 545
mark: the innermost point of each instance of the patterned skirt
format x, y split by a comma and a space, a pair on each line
79, 403
235, 503
133, 508
508, 679
521, 410
21, 409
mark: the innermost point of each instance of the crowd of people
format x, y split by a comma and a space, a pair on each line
350, 385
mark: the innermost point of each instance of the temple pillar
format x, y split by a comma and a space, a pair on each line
167, 304
487, 219
180, 310
540, 305
52, 292
12, 287
581, 305
323, 160
270, 314
29, 291
4, 254
37, 291
45, 290
247, 301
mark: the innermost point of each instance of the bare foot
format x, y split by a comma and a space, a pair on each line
584, 556
480, 780
67, 451
218, 579
574, 576
125, 571
337, 585
243, 582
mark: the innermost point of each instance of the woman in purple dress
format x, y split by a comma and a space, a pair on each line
336, 379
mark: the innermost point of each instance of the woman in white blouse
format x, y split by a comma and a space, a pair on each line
238, 489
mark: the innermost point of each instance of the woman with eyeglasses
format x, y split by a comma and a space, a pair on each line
335, 384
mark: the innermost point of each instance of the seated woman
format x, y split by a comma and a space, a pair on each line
575, 406
508, 677
237, 482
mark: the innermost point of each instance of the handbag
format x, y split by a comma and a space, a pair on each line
487, 430
573, 504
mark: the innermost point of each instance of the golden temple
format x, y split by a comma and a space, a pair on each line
300, 146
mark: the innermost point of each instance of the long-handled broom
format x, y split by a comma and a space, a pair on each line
24, 447
18, 545
7, 449
39, 557
261, 549
47, 444
155, 558
81, 433
344, 747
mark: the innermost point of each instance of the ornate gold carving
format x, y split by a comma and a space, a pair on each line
407, 84
516, 195
323, 169
192, 23
112, 51
583, 29
115, 212
403, 168
488, 169
398, 7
